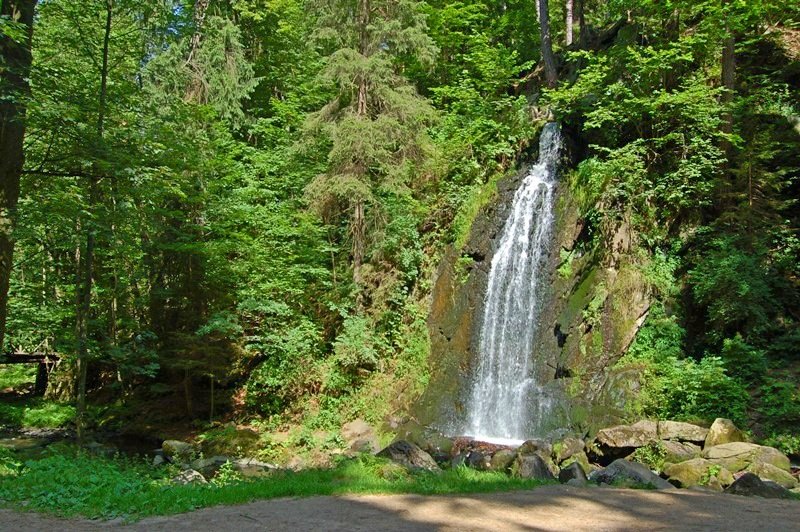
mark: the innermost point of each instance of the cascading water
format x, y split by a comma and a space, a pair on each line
507, 400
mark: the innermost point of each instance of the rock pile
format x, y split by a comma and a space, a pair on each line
656, 454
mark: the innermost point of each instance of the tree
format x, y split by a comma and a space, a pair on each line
376, 122
16, 30
550, 69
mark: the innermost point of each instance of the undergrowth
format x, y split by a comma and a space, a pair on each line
77, 484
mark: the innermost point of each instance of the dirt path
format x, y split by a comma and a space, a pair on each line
547, 508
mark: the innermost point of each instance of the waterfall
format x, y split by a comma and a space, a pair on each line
507, 400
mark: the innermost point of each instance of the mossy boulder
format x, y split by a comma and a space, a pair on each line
625, 473
628, 437
770, 472
738, 456
676, 430
677, 451
752, 486
723, 431
567, 448
697, 472
502, 460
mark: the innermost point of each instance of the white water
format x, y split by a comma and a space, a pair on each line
507, 401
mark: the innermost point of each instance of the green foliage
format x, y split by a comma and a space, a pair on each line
652, 455
36, 413
115, 488
743, 361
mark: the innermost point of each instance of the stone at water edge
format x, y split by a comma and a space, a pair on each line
628, 436
573, 472
738, 456
770, 472
531, 466
677, 430
478, 460
698, 472
502, 460
190, 476
752, 486
360, 437
541, 447
624, 471
723, 431
409, 455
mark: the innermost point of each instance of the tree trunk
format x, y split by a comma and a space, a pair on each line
551, 75
358, 247
570, 8
85, 306
583, 37
16, 60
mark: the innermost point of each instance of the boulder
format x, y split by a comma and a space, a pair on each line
628, 436
177, 451
698, 472
360, 437
766, 471
158, 460
676, 430
250, 467
409, 455
531, 466
677, 451
738, 456
190, 476
459, 460
574, 471
567, 448
723, 431
429, 440
502, 460
208, 465
582, 459
478, 460
540, 447
629, 473
752, 486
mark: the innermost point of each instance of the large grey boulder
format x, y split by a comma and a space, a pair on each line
723, 431
409, 455
738, 456
676, 430
628, 436
624, 472
752, 486
531, 466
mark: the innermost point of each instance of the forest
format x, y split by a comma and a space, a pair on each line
227, 214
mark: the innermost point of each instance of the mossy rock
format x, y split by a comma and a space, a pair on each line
230, 441
738, 456
697, 472
775, 474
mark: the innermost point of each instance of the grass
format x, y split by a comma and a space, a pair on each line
36, 413
17, 375
73, 484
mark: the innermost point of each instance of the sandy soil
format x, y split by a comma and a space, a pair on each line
548, 508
